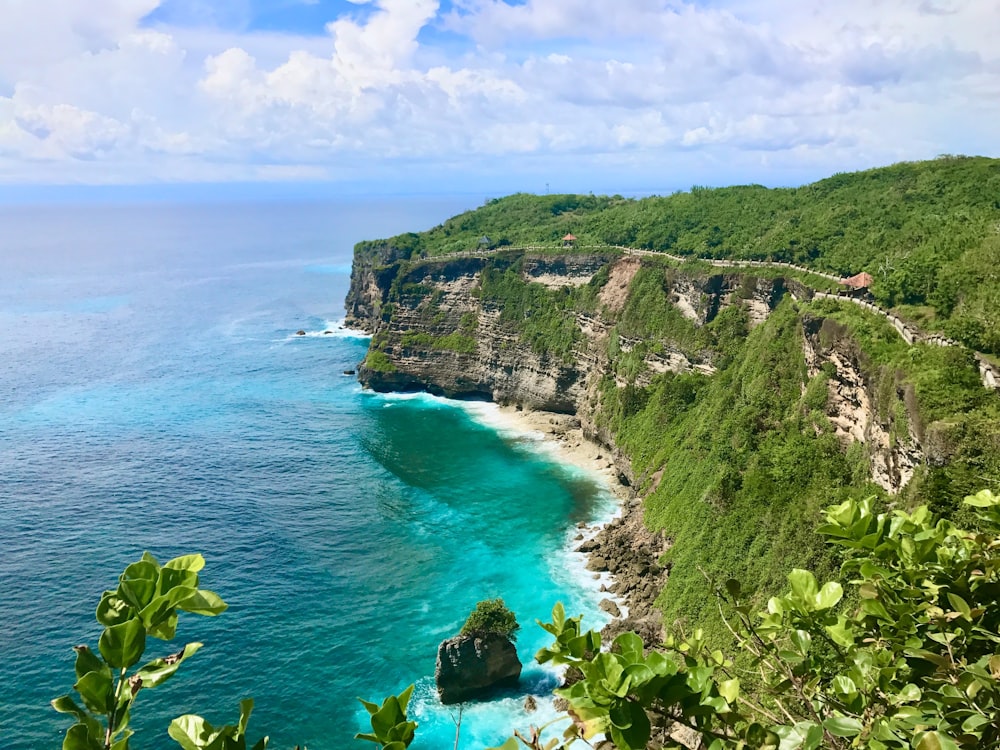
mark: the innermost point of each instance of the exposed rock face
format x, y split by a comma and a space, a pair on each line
894, 449
471, 666
437, 333
416, 308
631, 553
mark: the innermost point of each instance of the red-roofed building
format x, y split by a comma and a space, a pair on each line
568, 240
859, 281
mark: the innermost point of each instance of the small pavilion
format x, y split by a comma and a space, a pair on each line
858, 281
857, 285
568, 240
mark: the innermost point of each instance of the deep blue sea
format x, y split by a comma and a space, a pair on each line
154, 396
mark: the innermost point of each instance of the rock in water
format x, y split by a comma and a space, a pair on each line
470, 666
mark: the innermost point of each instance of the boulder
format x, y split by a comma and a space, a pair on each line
470, 666
300, 332
610, 607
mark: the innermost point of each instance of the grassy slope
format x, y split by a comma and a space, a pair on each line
929, 232
747, 455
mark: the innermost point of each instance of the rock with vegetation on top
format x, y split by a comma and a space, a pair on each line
471, 666
481, 657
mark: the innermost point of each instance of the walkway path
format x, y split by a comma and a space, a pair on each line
989, 373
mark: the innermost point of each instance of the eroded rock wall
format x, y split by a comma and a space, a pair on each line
438, 333
889, 435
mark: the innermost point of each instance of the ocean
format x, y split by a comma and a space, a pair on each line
154, 396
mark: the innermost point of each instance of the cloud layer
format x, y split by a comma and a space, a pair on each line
407, 90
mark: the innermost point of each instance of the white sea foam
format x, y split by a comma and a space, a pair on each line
334, 329
566, 566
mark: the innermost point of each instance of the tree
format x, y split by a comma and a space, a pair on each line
491, 617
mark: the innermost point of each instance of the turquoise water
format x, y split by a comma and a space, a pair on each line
153, 396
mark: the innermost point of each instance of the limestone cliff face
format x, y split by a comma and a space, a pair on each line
433, 329
859, 411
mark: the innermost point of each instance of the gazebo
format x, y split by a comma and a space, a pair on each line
858, 281
856, 286
568, 240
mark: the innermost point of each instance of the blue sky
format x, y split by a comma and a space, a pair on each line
322, 97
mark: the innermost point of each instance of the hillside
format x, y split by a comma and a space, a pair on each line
737, 403
928, 232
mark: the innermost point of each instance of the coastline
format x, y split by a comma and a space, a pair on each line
622, 555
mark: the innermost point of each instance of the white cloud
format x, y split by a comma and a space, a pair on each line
97, 94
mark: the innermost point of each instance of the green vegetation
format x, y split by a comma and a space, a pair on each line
736, 466
907, 660
517, 220
538, 314
145, 605
391, 728
745, 459
378, 360
491, 617
943, 402
928, 232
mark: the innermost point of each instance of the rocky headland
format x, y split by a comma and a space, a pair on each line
477, 327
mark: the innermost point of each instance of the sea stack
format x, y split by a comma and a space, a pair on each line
470, 666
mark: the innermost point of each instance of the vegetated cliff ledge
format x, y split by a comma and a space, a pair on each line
735, 410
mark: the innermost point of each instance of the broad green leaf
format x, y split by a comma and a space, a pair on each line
122, 645
87, 661
803, 585
246, 708
193, 563
78, 737
122, 742
559, 616
874, 608
112, 609
844, 685
138, 592
960, 605
841, 632
636, 735
629, 645
404, 698
192, 732
97, 691
983, 499
730, 690
843, 726
813, 738
934, 741
204, 602
802, 640
620, 715
829, 595
172, 577
159, 671
162, 607
64, 704
165, 630
510, 744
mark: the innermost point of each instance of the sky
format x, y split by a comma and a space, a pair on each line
485, 96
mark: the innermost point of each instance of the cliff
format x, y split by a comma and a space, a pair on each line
734, 403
